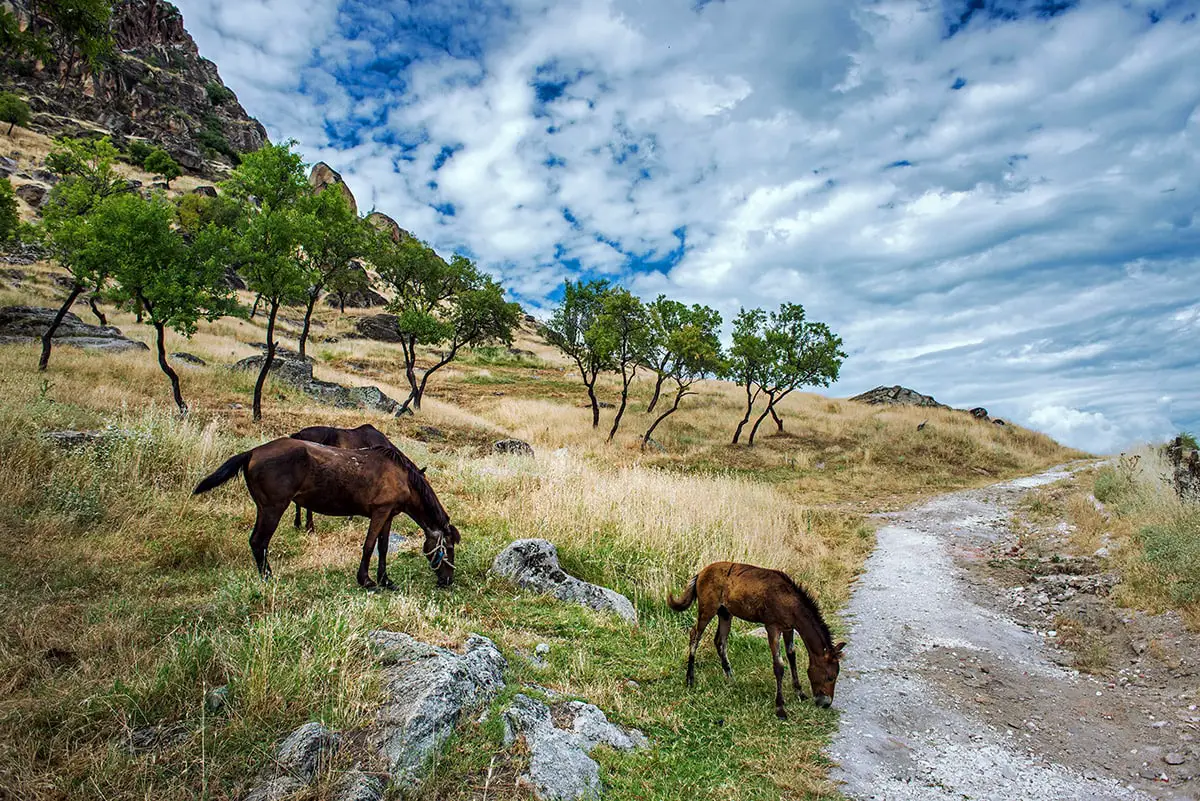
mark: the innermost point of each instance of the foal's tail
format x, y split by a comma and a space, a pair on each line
689, 596
223, 473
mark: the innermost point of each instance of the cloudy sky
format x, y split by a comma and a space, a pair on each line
993, 201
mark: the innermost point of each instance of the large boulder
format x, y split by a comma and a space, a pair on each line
33, 194
297, 761
26, 324
533, 564
427, 690
290, 371
299, 373
1185, 469
380, 327
897, 396
323, 176
559, 743
389, 226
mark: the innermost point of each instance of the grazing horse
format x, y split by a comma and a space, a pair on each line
770, 597
377, 483
365, 436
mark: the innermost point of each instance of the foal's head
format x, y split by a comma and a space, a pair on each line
439, 550
823, 674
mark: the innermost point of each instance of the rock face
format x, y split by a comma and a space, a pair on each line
156, 86
22, 324
1185, 470
560, 768
380, 327
296, 763
513, 446
979, 413
533, 564
300, 375
388, 225
33, 194
322, 176
428, 689
897, 396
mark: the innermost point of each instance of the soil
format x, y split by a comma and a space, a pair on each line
958, 685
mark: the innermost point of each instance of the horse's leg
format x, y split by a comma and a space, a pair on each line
378, 521
789, 642
724, 619
308, 524
260, 538
703, 616
381, 575
777, 660
297, 523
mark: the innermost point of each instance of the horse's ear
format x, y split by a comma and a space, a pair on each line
423, 469
837, 649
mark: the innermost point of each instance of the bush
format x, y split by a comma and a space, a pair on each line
1188, 440
160, 163
1173, 549
10, 219
219, 93
1113, 484
13, 110
138, 152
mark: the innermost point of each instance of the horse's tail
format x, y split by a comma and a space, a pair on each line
223, 473
689, 596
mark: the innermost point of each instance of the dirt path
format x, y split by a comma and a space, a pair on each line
945, 696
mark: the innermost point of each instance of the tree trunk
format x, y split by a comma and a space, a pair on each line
11, 125
312, 301
44, 362
254, 308
591, 388
270, 357
777, 418
96, 310
658, 382
770, 404
409, 347
625, 381
746, 417
160, 330
678, 397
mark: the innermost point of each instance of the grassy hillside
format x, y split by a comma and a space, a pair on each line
123, 598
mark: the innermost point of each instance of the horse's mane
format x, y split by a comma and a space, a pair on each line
807, 601
417, 481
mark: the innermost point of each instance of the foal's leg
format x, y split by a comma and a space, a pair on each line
381, 575
777, 660
308, 524
789, 641
297, 523
378, 521
703, 616
722, 639
260, 538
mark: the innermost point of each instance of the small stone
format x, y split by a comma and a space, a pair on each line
513, 446
216, 698
541, 649
1174, 758
632, 685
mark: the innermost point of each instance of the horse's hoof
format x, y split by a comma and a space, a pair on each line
366, 583
781, 714
387, 584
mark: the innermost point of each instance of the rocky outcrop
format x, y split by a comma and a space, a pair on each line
897, 396
380, 327
515, 447
388, 225
155, 86
299, 374
322, 176
297, 761
559, 743
33, 194
26, 324
533, 565
1185, 469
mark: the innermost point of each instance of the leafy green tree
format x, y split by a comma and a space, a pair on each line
175, 281
14, 111
79, 33
88, 178
800, 353
749, 358
624, 328
196, 212
271, 185
451, 305
10, 218
666, 317
695, 353
160, 163
573, 329
138, 151
334, 237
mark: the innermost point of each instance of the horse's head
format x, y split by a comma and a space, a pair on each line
823, 674
439, 550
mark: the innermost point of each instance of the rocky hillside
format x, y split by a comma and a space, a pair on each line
155, 85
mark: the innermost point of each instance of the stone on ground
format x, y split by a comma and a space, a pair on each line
533, 565
297, 761
513, 446
27, 324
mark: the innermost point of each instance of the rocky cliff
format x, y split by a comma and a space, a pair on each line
155, 85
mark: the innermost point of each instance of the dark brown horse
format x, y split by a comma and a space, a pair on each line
377, 483
365, 436
770, 597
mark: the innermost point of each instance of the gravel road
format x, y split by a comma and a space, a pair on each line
943, 696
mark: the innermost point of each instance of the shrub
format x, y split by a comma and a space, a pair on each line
10, 219
1173, 549
13, 110
160, 163
138, 152
219, 93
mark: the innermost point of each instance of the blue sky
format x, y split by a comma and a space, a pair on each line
993, 201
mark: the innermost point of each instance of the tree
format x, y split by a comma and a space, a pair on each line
175, 281
79, 33
334, 238
800, 353
270, 183
160, 163
749, 358
624, 327
572, 329
14, 111
10, 218
666, 317
452, 305
88, 179
695, 353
